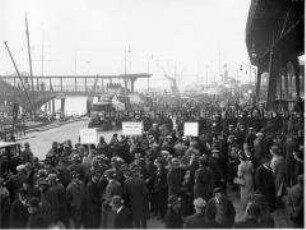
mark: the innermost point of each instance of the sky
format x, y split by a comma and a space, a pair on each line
89, 37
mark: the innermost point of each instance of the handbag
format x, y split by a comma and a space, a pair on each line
239, 181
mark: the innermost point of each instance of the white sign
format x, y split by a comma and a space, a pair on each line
132, 128
191, 129
88, 136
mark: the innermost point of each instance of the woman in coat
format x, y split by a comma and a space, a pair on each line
278, 166
245, 172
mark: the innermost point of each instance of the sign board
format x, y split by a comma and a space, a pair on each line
88, 136
132, 128
191, 129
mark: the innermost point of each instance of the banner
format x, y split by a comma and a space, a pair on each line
88, 136
132, 128
191, 129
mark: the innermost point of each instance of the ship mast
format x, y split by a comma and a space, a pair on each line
29, 53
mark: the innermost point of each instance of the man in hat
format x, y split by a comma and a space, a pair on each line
175, 178
222, 207
204, 180
56, 196
27, 154
215, 164
4, 204
258, 149
136, 194
113, 188
19, 211
93, 204
15, 181
75, 195
264, 181
160, 191
123, 217
173, 218
197, 220
36, 219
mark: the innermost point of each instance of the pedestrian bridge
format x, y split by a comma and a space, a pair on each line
41, 89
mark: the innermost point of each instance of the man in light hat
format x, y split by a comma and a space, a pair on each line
197, 220
222, 207
123, 217
15, 181
258, 149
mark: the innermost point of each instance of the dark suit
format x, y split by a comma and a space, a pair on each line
264, 181
203, 183
136, 194
123, 219
174, 180
197, 220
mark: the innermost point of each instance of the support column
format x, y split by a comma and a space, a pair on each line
258, 83
132, 84
286, 83
296, 67
85, 84
75, 84
63, 105
49, 107
53, 106
280, 85
273, 75
61, 79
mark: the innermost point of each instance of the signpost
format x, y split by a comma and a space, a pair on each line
132, 128
191, 129
88, 136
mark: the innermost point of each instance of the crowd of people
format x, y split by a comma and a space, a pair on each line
183, 182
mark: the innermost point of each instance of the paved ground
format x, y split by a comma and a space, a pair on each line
41, 142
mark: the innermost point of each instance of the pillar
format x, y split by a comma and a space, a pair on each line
258, 83
273, 77
132, 84
63, 105
286, 83
49, 107
85, 84
296, 67
61, 79
53, 106
280, 85
75, 84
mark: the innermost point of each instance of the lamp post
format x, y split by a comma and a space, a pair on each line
148, 69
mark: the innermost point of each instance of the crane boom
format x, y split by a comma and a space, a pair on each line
19, 76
